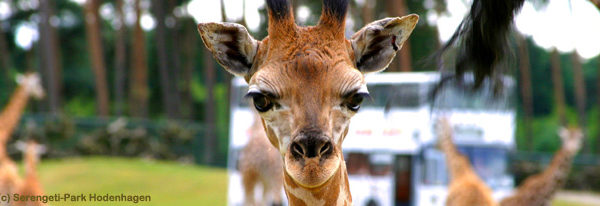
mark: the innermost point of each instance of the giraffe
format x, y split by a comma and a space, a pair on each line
306, 83
10, 181
29, 86
260, 163
465, 188
31, 185
539, 189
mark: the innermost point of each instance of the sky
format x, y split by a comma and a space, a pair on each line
566, 25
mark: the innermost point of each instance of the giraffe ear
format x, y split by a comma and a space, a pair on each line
376, 44
231, 45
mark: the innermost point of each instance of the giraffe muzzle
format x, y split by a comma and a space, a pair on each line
310, 147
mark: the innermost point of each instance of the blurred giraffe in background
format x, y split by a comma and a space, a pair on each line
465, 188
29, 85
10, 181
539, 189
260, 163
31, 185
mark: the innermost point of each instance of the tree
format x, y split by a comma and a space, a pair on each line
120, 59
165, 62
94, 40
367, 11
402, 62
559, 92
598, 97
210, 138
579, 88
50, 57
190, 37
138, 96
4, 53
526, 93
580, 95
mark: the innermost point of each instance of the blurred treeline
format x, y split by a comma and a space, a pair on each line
97, 61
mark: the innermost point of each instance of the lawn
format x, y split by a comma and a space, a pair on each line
167, 183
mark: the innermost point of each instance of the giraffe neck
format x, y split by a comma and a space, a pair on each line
12, 113
456, 162
559, 169
539, 189
30, 165
335, 191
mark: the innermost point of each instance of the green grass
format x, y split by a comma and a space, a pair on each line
167, 183
567, 203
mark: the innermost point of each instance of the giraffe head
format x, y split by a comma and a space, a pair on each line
32, 152
307, 82
32, 84
571, 138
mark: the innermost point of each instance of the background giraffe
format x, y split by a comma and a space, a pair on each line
260, 163
31, 185
29, 85
10, 181
465, 188
539, 189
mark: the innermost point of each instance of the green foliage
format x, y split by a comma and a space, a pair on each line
198, 90
80, 106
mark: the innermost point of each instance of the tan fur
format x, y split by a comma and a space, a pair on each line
10, 181
29, 86
31, 186
539, 189
465, 188
310, 73
260, 163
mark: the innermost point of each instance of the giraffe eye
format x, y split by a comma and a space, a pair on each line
262, 103
353, 102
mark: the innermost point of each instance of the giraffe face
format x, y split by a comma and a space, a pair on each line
306, 105
32, 149
33, 84
307, 82
571, 138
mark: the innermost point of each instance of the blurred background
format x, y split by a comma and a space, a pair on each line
134, 97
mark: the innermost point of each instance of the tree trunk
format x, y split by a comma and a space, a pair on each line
526, 92
190, 37
50, 57
210, 139
402, 61
173, 35
138, 105
559, 91
120, 59
580, 96
94, 40
168, 93
367, 15
598, 99
5, 60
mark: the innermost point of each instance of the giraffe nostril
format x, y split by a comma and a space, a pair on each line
325, 149
297, 150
